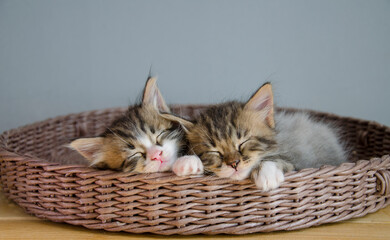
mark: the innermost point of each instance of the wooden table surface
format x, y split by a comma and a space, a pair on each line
15, 224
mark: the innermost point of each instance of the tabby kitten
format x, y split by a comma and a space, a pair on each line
237, 141
141, 140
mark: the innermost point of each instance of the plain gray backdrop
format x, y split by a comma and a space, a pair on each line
60, 57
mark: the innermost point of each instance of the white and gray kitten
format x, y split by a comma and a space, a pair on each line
247, 140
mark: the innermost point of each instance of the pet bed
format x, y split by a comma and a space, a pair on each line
45, 178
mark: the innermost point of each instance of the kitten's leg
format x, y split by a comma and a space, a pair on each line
187, 165
269, 174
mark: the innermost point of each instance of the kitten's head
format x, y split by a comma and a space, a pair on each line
141, 140
232, 137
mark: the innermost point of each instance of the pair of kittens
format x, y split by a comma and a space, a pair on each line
231, 140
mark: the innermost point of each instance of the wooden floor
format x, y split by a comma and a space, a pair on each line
15, 224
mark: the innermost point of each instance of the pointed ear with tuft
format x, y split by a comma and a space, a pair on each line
90, 148
186, 124
152, 96
262, 101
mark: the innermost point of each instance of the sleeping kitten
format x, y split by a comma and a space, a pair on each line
140, 140
237, 141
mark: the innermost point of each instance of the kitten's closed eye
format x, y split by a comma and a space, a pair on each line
130, 146
215, 153
137, 154
255, 144
221, 156
160, 137
243, 144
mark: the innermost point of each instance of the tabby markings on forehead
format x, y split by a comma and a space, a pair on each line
137, 114
140, 120
123, 133
230, 131
208, 126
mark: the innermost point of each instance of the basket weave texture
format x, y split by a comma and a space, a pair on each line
33, 174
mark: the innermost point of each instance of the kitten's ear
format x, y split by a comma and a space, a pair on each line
186, 124
90, 148
263, 102
152, 96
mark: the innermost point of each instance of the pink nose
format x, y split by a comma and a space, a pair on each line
156, 155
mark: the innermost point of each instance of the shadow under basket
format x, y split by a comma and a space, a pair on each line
42, 176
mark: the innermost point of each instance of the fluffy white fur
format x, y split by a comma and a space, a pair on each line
269, 176
169, 155
188, 165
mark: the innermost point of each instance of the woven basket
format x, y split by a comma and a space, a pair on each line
33, 175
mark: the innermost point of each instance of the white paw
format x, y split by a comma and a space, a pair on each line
187, 165
269, 177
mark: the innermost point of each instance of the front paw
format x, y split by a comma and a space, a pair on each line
187, 165
268, 177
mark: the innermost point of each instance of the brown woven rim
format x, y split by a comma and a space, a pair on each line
163, 203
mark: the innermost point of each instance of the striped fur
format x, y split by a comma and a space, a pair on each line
230, 140
242, 140
141, 140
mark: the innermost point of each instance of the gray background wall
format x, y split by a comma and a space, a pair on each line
59, 57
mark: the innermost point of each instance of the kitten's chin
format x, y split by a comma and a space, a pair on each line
157, 166
152, 166
225, 173
239, 174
